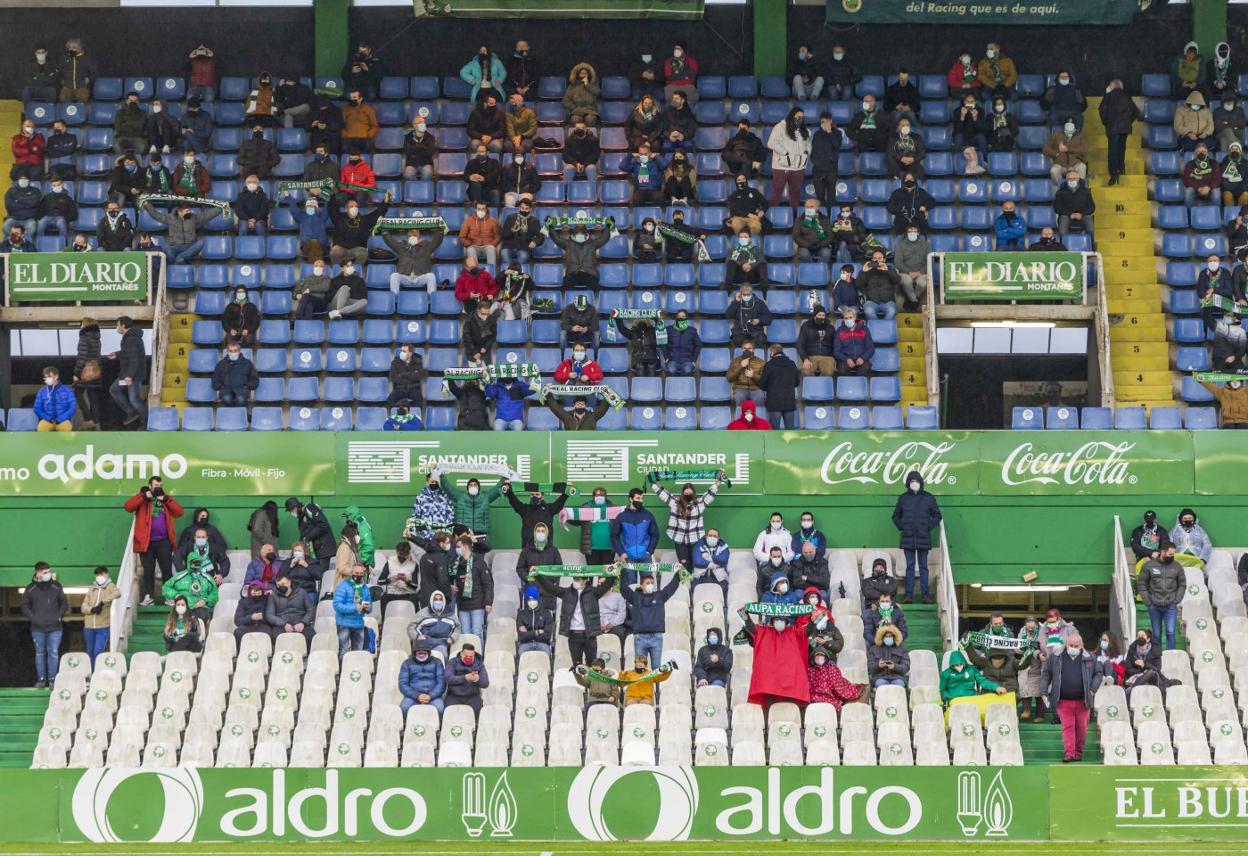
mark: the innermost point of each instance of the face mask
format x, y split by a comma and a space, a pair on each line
1213, 266
481, 215
579, 585
644, 159
838, 55
776, 524
648, 588
808, 525
50, 381
1104, 644
912, 236
422, 656
353, 211
320, 158
1194, 107
318, 271
580, 239
188, 161
600, 500
41, 58
647, 57
889, 641
468, 657
812, 213
23, 182
992, 54
886, 608
904, 130
959, 667
253, 187
850, 323
539, 539
678, 52
712, 540
868, 106
45, 576
682, 323
201, 542
296, 554
101, 581
531, 603
780, 624
1073, 651
578, 356
348, 271
688, 496
180, 609
156, 108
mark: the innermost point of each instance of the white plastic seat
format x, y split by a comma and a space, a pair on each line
748, 753
858, 753
969, 754
711, 747
637, 753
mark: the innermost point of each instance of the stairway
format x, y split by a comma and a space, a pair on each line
1042, 743
1139, 353
923, 623
148, 632
21, 717
173, 392
1142, 620
913, 358
10, 117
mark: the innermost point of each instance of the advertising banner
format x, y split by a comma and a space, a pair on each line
1221, 460
390, 462
596, 803
207, 464
1162, 804
972, 12
618, 460
1071, 463
983, 277
76, 277
861, 462
681, 9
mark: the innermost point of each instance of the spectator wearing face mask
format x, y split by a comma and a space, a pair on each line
352, 230
28, 147
407, 378
1074, 206
687, 515
352, 601
184, 630
42, 78
812, 234
713, 665
129, 123
962, 680
996, 72
357, 178
911, 257
779, 382
643, 349
888, 661
709, 555
312, 294
472, 585
234, 378
154, 533
314, 528
191, 178
518, 180
871, 127
749, 420
779, 589
1072, 679
312, 220
1189, 538
1193, 123
789, 142
808, 572
1234, 171
580, 251
241, 319
1048, 242
1064, 102
1001, 128
414, 259
261, 103
909, 205
466, 678
96, 612
21, 205
905, 151
841, 76
774, 535
55, 404
264, 570
422, 679
1142, 664
1146, 539
744, 153
538, 510
1188, 72
535, 625
480, 235
471, 504
581, 98
541, 552
160, 130
1031, 679
399, 577
814, 344
349, 290
647, 613
880, 583
257, 155
884, 611
473, 413
634, 535
581, 152
594, 519
879, 285
508, 395
646, 172
1202, 178
201, 68
521, 234
1109, 658
114, 232
684, 346
44, 605
195, 582
680, 180
195, 128
305, 570
1010, 229
290, 610
436, 624
579, 321
580, 619
915, 515
1232, 398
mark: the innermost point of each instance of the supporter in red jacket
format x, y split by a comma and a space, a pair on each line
358, 173
28, 148
154, 534
474, 283
749, 420
579, 369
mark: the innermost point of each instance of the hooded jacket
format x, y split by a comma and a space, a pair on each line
582, 97
968, 682
742, 424
707, 669
96, 596
634, 535
314, 531
773, 593
294, 608
538, 624
873, 619
438, 625
417, 678
1194, 541
533, 513
533, 556
434, 505
916, 515
44, 605
897, 653
368, 545
193, 585
878, 584
1189, 70
460, 690
1189, 121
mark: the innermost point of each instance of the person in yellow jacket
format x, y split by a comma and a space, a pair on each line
96, 613
1233, 402
640, 693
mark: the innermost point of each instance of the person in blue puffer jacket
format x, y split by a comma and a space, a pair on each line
634, 534
508, 395
1010, 229
55, 404
352, 601
680, 354
779, 590
422, 680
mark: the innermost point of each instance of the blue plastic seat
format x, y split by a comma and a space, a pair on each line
1200, 418
1192, 359
162, 419
818, 389
849, 388
1097, 419
306, 360
342, 360
1176, 246
303, 419
885, 388
1062, 418
202, 361
1028, 419
922, 418
819, 418
1188, 330
1172, 217
886, 418
339, 389
206, 333
200, 418
1130, 418
1165, 419
272, 360
199, 391
1193, 393
854, 418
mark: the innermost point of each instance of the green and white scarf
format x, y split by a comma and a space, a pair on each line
684, 237
988, 641
572, 390
501, 470
492, 372
1219, 377
174, 199
324, 184
572, 222
685, 475
648, 678
779, 610
573, 571
1201, 170
655, 315
407, 224
1230, 169
654, 568
514, 283
1217, 301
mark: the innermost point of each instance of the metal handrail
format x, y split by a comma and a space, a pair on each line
947, 594
1122, 591
121, 612
1102, 331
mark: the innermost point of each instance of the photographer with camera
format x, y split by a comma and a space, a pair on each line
154, 536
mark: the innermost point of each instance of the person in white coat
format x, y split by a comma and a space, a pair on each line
790, 150
775, 535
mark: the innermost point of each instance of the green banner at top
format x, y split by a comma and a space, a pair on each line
984, 277
687, 9
76, 277
970, 12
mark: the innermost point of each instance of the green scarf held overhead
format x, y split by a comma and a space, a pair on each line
988, 641
1217, 301
408, 224
174, 199
1219, 377
491, 372
779, 610
572, 222
655, 315
323, 184
666, 231
613, 398
654, 568
648, 678
686, 475
573, 571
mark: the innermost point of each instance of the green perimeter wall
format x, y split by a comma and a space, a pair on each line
999, 527
566, 804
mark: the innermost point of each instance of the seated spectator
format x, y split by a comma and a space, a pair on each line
674, 249
597, 691
258, 156
437, 623
639, 692
713, 664
312, 294
148, 244
709, 555
879, 284
646, 173
880, 583
748, 313
850, 233
1193, 123
1189, 538
518, 180
962, 679
252, 208
1002, 667
194, 580
1230, 342
744, 153
1001, 128
414, 259
422, 679
745, 266
191, 178
57, 209
905, 151
1142, 663
1010, 228
812, 234
680, 74
744, 374
399, 577
970, 125
487, 126
684, 346
535, 625
647, 243
1064, 101
779, 589
508, 395
814, 345
61, 148
480, 235
1202, 178
749, 420
290, 610
407, 377
363, 70
901, 98
1067, 149
261, 103
480, 330
888, 661
129, 126
160, 130
249, 614
581, 152
997, 73
1214, 281
1234, 174
747, 209
42, 78
1074, 206
581, 98
157, 178
963, 75
21, 206
579, 368
1188, 73
827, 684
184, 631
403, 418
680, 180
350, 292
870, 128
804, 74
644, 125
1048, 242
17, 242
579, 321
679, 123
294, 101
1220, 73
420, 150
779, 382
81, 244
643, 349
234, 378
808, 572
841, 76
520, 124
352, 601
321, 168
910, 257
465, 678
324, 126
28, 152
125, 186
852, 345
356, 178
909, 205
521, 233
1146, 538
184, 225
263, 570
55, 403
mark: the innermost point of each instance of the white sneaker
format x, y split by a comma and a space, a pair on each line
164, 150
147, 601
334, 314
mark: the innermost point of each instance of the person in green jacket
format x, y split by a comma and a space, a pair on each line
368, 544
962, 679
199, 589
472, 506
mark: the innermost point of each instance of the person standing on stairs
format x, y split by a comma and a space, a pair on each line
1072, 678
1118, 113
915, 516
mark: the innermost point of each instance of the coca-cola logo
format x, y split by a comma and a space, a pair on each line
1094, 463
844, 465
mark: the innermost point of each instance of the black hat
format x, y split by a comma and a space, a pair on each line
421, 645
1150, 515
292, 504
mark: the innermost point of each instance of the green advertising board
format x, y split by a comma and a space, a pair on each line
1221, 462
984, 277
398, 461
76, 277
1067, 463
971, 12
682, 9
618, 460
859, 462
